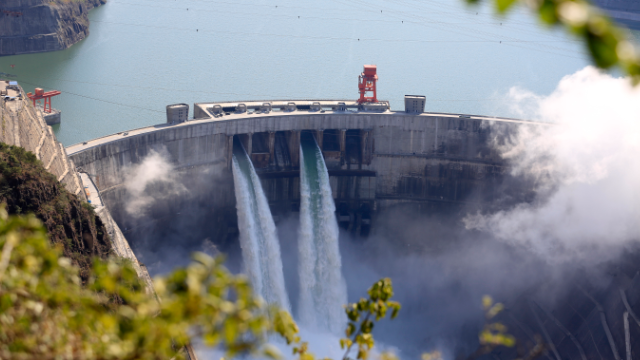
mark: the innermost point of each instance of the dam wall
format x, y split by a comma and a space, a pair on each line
376, 161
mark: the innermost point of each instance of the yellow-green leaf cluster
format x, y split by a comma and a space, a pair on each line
494, 333
46, 313
360, 316
434, 355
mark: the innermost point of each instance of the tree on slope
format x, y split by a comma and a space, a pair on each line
47, 313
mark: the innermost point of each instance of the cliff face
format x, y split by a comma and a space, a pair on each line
26, 187
31, 26
23, 126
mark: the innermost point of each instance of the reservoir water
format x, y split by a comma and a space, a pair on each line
142, 55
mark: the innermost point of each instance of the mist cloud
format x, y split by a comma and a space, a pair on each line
153, 179
586, 167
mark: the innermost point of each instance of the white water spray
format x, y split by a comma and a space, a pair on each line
323, 290
258, 238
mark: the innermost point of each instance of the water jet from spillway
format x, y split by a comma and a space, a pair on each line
258, 238
323, 290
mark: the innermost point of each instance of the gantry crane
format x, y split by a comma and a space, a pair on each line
46, 96
367, 83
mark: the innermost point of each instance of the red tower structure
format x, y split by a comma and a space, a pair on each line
367, 83
40, 95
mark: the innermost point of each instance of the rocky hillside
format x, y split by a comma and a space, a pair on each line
26, 187
31, 26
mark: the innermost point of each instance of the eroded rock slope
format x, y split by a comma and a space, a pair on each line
31, 26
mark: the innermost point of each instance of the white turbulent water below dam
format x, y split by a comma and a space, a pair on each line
258, 237
323, 290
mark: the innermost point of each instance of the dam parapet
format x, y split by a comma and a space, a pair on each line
209, 110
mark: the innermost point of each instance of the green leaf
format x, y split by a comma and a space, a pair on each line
548, 12
602, 51
395, 311
345, 343
351, 328
504, 5
366, 326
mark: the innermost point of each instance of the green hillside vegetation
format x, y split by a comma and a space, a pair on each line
64, 296
46, 313
27, 188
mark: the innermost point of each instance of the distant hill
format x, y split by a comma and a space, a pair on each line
626, 12
32, 26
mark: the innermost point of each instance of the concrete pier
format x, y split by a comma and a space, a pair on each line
52, 118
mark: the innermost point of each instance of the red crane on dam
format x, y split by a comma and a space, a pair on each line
367, 84
40, 95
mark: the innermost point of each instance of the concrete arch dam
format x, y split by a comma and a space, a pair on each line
170, 188
376, 162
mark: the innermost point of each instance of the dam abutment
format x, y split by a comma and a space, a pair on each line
24, 125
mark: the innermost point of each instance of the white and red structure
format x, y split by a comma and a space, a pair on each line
367, 85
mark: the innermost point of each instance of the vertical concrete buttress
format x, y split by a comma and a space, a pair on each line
365, 148
249, 144
343, 144
272, 143
294, 147
229, 151
319, 134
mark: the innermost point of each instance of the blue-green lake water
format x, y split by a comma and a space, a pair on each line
144, 54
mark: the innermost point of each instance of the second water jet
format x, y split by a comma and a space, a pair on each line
323, 290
